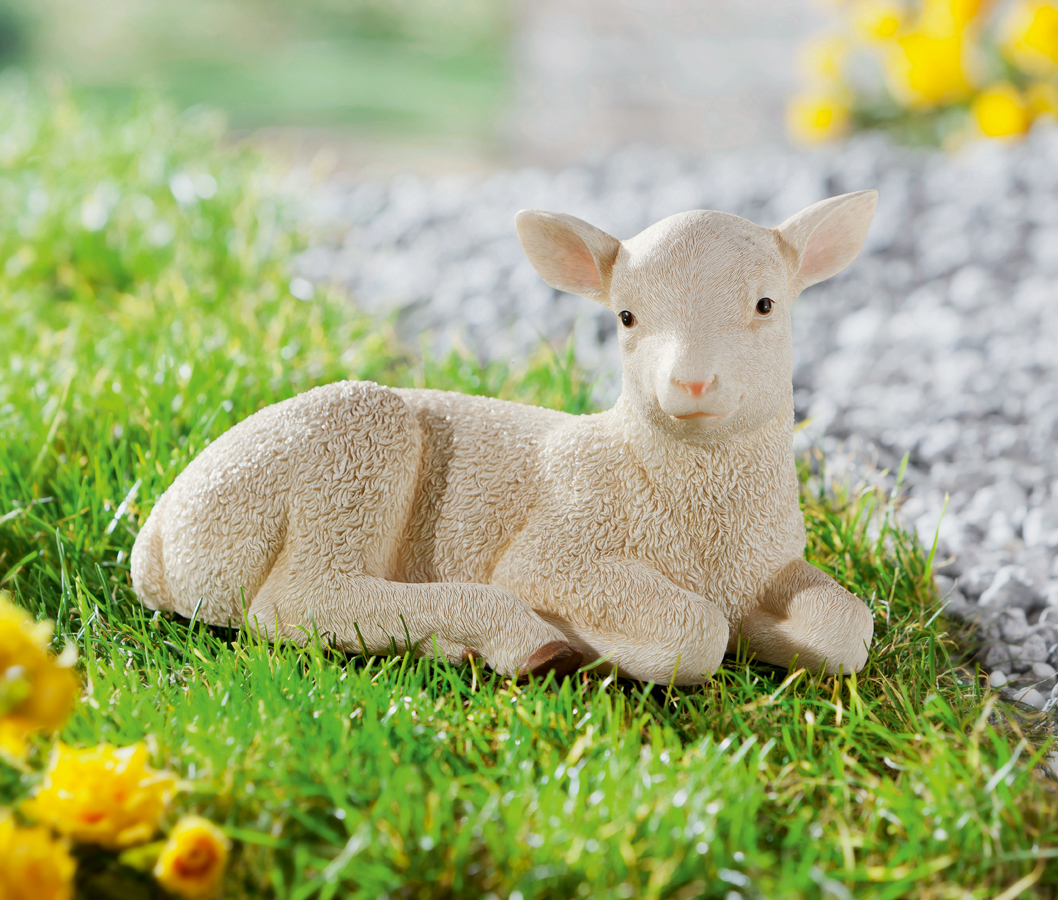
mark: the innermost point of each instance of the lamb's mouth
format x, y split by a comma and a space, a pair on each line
701, 415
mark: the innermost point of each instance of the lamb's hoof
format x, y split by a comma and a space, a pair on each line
557, 656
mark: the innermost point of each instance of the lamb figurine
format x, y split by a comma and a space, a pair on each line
648, 537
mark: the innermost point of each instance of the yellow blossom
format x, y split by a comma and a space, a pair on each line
104, 795
1032, 36
33, 864
824, 58
925, 71
876, 20
946, 18
192, 862
816, 118
37, 691
1002, 111
1043, 98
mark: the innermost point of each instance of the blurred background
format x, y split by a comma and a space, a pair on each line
470, 83
457, 81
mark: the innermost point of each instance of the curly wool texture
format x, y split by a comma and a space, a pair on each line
650, 535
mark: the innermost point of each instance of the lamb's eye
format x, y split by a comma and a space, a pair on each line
764, 305
627, 319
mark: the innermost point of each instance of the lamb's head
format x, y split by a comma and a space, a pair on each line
702, 301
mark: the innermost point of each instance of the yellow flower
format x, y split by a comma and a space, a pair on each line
33, 864
1043, 98
1032, 36
824, 58
926, 71
816, 118
37, 691
192, 862
1001, 111
104, 795
946, 18
877, 20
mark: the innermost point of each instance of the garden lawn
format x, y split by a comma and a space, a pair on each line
144, 309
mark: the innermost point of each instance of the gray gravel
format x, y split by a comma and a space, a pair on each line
940, 341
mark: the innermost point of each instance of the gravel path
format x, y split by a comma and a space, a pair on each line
940, 341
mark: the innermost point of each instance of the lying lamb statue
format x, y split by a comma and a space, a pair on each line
648, 537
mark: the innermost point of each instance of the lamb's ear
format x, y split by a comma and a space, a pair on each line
823, 238
568, 253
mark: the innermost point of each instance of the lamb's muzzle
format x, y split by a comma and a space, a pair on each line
649, 537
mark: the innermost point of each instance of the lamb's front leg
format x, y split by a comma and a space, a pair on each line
806, 614
640, 623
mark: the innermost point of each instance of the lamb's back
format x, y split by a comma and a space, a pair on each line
480, 482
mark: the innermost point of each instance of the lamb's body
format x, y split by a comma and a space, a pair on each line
493, 493
390, 517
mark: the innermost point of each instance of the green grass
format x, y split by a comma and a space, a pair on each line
383, 66
124, 354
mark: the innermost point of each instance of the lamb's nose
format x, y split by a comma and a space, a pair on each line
695, 388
